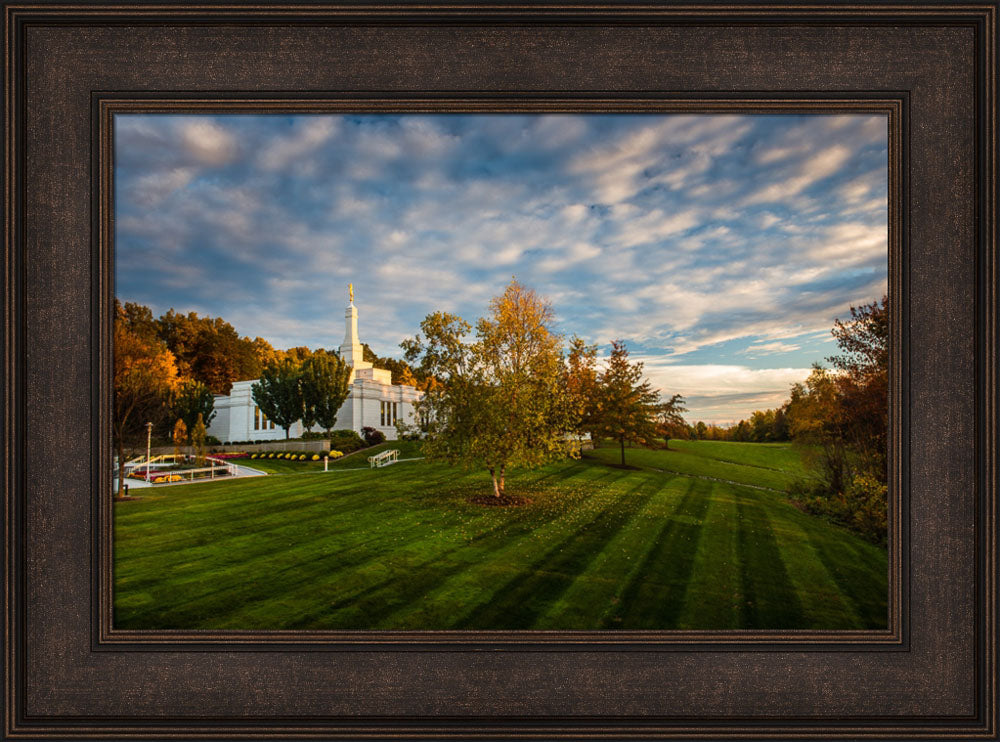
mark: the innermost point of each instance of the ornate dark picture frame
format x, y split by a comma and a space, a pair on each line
929, 68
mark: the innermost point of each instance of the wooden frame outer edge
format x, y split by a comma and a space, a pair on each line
17, 726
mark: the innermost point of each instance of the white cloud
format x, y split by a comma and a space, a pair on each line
720, 392
150, 190
308, 138
208, 143
819, 166
756, 350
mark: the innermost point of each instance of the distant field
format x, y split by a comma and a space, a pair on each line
679, 542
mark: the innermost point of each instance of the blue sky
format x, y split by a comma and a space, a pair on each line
719, 247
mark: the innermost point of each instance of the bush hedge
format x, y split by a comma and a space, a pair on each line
346, 441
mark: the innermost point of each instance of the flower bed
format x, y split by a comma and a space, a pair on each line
156, 477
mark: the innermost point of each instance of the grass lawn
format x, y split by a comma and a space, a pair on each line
285, 466
678, 542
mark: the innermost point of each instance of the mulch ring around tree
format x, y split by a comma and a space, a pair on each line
504, 501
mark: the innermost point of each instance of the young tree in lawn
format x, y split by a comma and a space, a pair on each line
670, 420
628, 406
500, 402
191, 399
324, 388
278, 393
145, 375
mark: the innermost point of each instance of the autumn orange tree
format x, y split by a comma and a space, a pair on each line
145, 375
842, 414
581, 382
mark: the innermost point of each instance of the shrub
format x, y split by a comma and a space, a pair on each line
211, 440
372, 437
310, 436
346, 441
335, 454
315, 457
862, 508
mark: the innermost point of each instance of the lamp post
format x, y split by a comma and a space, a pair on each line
149, 437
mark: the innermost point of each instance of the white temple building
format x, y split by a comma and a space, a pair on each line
373, 400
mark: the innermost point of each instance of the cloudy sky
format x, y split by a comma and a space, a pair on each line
720, 248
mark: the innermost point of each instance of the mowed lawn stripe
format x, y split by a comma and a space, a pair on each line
823, 604
654, 596
520, 601
716, 594
242, 563
356, 595
404, 548
769, 597
248, 527
450, 602
783, 457
591, 596
685, 462
382, 551
859, 569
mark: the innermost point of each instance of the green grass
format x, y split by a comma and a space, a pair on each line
403, 548
406, 449
705, 459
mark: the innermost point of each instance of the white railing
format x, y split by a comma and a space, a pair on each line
383, 459
165, 473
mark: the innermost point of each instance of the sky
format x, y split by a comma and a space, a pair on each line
719, 248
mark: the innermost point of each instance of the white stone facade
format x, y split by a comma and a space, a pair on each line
373, 400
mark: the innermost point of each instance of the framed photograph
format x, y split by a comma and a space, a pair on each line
490, 371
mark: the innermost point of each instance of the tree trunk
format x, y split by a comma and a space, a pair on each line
496, 488
287, 432
503, 488
622, 441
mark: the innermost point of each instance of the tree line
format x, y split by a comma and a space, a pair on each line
840, 417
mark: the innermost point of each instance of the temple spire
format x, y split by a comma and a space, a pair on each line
351, 350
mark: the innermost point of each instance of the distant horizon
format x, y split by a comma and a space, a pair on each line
720, 248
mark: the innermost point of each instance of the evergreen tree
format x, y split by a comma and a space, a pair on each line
628, 405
